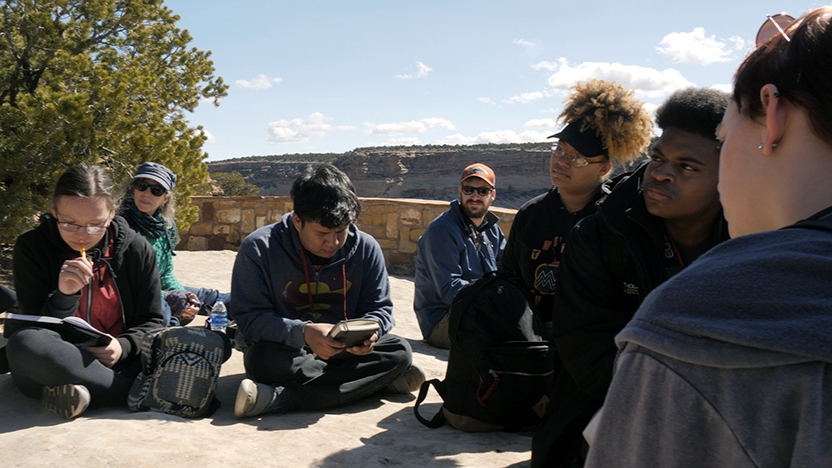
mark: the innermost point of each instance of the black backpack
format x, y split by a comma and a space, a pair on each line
499, 366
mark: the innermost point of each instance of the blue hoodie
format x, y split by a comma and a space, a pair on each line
271, 290
449, 258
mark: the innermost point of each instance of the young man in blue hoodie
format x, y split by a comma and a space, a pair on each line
291, 282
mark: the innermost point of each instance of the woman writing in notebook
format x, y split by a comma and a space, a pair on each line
83, 261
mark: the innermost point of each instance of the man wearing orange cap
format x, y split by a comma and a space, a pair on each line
460, 245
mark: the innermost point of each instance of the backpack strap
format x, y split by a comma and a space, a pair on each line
439, 418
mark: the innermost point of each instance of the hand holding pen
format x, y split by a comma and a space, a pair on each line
75, 273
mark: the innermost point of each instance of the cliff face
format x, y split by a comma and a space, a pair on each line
429, 174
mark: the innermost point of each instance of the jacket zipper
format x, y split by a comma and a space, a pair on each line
89, 301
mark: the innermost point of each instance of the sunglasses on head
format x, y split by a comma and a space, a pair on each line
772, 26
156, 190
481, 191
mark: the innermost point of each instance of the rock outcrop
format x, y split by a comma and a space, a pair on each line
422, 172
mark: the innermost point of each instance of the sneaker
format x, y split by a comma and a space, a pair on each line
407, 382
256, 398
67, 401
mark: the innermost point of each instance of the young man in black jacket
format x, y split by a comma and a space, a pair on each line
653, 224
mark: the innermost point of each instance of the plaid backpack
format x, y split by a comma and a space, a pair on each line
180, 370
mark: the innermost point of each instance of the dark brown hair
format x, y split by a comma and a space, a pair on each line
86, 181
801, 69
325, 195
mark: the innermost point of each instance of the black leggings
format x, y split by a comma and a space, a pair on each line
39, 357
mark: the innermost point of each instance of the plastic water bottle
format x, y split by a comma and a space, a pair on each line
219, 316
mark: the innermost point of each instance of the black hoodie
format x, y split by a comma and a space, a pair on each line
612, 261
39, 254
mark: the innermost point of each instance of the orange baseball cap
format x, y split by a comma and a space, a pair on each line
479, 170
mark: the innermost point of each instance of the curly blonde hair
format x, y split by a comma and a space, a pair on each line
619, 119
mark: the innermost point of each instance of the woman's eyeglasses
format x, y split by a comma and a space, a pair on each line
575, 159
481, 191
772, 26
156, 190
93, 230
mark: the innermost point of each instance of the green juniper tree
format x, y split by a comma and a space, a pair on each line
96, 81
233, 184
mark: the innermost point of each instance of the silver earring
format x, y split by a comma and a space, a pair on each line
760, 146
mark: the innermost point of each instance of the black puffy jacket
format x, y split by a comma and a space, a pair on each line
39, 254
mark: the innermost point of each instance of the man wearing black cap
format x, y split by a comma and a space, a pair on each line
460, 245
655, 222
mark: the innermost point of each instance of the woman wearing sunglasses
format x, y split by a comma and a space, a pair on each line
148, 207
730, 362
82, 261
604, 124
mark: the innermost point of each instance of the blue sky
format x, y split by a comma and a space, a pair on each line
329, 76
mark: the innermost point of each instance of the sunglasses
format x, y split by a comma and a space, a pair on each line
772, 26
481, 191
156, 190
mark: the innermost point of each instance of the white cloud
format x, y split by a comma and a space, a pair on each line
524, 43
525, 98
404, 141
209, 137
533, 48
394, 128
647, 82
402, 128
298, 130
538, 123
259, 82
551, 66
650, 108
500, 136
436, 122
695, 47
421, 72
486, 100
726, 88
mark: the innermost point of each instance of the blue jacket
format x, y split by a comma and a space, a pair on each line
271, 290
449, 258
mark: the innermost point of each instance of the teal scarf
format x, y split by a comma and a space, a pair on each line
148, 226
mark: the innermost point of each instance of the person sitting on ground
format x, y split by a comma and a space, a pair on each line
604, 124
654, 224
291, 282
148, 207
729, 363
83, 261
459, 246
8, 299
8, 303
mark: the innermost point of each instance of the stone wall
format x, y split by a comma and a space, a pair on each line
395, 223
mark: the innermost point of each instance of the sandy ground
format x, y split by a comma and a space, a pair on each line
380, 431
